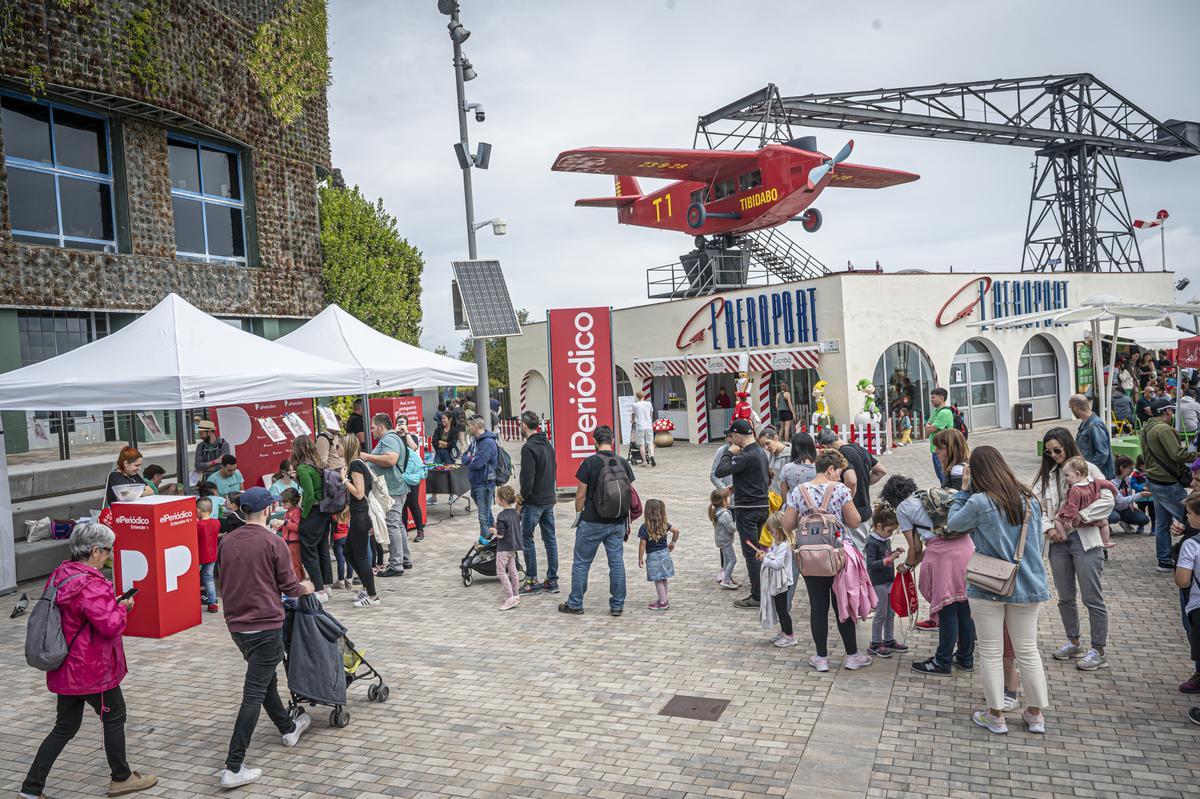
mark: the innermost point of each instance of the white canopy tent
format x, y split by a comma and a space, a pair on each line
384, 363
1095, 311
175, 356
1152, 338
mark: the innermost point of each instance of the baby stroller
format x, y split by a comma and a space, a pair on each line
321, 662
482, 558
635, 453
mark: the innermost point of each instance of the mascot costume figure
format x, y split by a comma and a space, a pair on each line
820, 417
742, 408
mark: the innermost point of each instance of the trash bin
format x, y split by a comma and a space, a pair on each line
1023, 416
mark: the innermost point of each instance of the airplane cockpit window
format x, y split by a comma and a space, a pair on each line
750, 181
725, 188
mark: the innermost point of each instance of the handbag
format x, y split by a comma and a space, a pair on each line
997, 575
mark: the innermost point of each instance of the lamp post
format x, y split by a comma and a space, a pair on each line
463, 71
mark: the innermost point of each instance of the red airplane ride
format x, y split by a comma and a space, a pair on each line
724, 192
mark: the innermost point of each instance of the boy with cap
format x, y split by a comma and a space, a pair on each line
255, 568
209, 449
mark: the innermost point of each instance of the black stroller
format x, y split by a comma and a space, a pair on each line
635, 453
321, 662
482, 558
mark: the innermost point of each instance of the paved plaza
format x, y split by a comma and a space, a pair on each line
534, 703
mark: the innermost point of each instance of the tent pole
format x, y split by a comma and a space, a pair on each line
133, 442
1112, 375
367, 422
181, 469
1098, 369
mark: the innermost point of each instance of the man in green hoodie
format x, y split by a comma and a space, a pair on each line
1167, 460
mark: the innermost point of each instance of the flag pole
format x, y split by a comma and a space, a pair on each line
1162, 240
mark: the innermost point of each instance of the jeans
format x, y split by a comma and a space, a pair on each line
991, 619
208, 583
110, 706
937, 469
955, 628
339, 555
749, 523
588, 538
443, 457
399, 558
485, 497
883, 625
1168, 507
1131, 516
539, 516
1070, 564
728, 561
314, 548
263, 652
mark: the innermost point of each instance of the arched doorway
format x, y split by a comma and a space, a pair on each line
904, 376
535, 393
624, 385
1037, 378
973, 385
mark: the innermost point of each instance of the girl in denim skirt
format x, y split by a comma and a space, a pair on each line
654, 551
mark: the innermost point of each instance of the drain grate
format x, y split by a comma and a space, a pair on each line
695, 707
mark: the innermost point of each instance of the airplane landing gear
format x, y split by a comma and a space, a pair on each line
700, 242
810, 220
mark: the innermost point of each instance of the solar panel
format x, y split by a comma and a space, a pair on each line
485, 299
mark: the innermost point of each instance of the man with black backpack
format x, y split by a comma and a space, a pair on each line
745, 461
603, 498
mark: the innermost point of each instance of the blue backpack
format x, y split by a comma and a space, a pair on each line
414, 469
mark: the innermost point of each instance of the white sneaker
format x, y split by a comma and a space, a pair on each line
1068, 651
1011, 703
365, 601
990, 723
730, 585
858, 661
1091, 661
243, 776
322, 596
819, 663
785, 640
302, 723
1035, 724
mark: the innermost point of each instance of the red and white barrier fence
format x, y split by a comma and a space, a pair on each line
510, 429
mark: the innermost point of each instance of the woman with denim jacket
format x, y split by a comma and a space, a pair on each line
995, 507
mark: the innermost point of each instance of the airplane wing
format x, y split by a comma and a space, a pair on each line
697, 165
858, 176
607, 202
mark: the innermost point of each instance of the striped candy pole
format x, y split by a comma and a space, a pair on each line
764, 398
647, 386
525, 392
701, 409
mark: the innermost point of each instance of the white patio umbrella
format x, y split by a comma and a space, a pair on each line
1095, 311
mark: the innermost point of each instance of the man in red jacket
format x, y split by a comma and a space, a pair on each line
255, 568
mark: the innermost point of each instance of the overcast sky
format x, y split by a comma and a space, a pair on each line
558, 74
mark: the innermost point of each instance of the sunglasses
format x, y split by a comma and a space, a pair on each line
1055, 450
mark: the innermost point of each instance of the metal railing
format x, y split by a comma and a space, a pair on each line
765, 257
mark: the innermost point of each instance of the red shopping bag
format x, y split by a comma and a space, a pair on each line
903, 596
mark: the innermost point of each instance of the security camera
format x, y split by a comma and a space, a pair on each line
480, 114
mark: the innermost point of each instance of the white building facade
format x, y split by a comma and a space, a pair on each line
906, 333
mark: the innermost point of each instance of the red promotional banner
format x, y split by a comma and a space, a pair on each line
157, 552
581, 383
1189, 352
411, 408
249, 429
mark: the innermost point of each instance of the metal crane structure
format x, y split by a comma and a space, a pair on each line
1078, 218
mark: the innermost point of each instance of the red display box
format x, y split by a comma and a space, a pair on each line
410, 407
157, 553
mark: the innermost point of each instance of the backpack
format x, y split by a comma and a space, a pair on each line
613, 487
45, 645
819, 537
936, 502
503, 467
333, 492
960, 421
414, 469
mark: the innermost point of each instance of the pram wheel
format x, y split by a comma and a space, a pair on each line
378, 693
339, 717
467, 577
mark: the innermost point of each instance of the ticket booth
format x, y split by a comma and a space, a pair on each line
157, 553
411, 408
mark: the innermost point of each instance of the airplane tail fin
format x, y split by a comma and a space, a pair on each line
627, 186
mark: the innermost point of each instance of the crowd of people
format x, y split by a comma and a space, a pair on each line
799, 509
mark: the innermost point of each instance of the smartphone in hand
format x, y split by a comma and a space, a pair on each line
127, 595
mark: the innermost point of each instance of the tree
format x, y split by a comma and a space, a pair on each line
368, 267
497, 354
441, 350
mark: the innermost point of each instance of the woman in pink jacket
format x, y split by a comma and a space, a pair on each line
92, 621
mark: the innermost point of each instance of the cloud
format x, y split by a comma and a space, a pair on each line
556, 75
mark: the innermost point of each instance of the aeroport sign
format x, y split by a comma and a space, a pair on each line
769, 319
1000, 299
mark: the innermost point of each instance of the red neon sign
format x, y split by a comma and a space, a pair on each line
984, 282
698, 336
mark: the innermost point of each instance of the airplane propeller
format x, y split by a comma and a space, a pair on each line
818, 172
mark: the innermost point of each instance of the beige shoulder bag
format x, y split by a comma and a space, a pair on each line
997, 575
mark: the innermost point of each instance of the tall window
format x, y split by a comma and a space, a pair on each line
207, 200
59, 175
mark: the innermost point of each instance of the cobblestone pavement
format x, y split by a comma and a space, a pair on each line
534, 703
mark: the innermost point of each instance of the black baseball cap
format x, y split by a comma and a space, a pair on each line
741, 427
1161, 404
